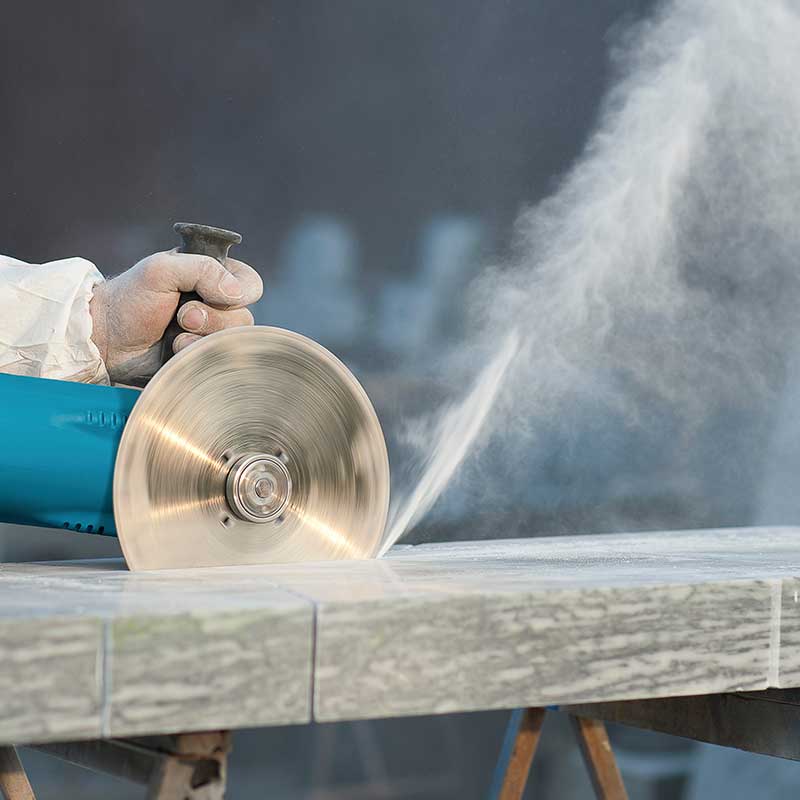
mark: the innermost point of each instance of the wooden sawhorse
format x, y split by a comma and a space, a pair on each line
764, 722
519, 747
187, 766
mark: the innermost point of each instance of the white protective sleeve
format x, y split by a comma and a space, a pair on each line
45, 323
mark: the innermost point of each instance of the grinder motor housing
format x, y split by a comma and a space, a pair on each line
60, 442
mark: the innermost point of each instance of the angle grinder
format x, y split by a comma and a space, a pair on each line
253, 445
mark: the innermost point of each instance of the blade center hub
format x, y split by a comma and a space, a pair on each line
258, 488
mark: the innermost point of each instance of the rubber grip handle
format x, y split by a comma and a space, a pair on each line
201, 240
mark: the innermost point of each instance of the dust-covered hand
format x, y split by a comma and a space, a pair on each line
131, 312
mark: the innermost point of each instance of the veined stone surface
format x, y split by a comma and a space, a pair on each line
100, 651
89, 649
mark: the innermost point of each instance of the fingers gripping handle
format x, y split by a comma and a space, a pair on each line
202, 240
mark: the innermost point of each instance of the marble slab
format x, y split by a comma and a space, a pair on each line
787, 665
50, 678
105, 652
429, 629
480, 625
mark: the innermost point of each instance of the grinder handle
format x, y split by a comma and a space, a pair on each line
201, 240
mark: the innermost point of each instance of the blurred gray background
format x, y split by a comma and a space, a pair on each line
374, 155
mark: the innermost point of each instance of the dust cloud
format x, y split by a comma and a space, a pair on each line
663, 270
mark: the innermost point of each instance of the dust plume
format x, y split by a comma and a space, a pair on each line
457, 428
662, 273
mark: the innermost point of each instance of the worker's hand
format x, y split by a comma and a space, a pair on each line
131, 312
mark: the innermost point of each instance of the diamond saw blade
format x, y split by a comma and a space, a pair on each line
254, 445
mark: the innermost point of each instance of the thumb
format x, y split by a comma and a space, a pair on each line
185, 272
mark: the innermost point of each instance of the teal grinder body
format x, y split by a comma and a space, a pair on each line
59, 443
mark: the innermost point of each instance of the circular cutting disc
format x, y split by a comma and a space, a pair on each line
244, 392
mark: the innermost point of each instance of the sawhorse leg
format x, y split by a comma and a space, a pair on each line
14, 783
599, 758
519, 747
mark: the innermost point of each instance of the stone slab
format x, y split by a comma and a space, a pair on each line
429, 629
788, 663
50, 678
480, 625
106, 652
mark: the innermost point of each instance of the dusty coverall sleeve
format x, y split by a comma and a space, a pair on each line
45, 323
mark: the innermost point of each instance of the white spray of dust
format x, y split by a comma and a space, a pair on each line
456, 431
665, 266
